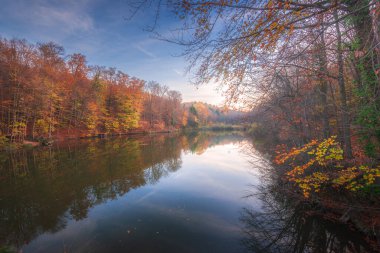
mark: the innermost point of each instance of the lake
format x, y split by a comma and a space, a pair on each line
200, 192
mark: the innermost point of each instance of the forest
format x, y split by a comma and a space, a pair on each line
47, 94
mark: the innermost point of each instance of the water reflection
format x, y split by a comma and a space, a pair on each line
158, 194
41, 190
285, 223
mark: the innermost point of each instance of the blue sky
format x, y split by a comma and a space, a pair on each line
100, 30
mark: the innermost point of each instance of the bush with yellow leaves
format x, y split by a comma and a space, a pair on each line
319, 163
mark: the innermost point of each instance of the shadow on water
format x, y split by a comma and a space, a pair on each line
287, 224
42, 189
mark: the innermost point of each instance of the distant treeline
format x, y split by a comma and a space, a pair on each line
45, 93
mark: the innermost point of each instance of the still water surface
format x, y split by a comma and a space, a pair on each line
154, 194
150, 194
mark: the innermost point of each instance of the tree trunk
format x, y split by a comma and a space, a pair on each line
375, 18
342, 90
322, 60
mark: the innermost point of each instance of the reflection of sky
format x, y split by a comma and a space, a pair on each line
197, 207
99, 29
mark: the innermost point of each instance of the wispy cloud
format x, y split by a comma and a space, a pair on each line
60, 18
145, 51
178, 72
67, 20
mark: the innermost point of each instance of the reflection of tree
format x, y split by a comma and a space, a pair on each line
199, 142
41, 188
286, 224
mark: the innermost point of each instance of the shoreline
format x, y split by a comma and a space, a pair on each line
58, 138
44, 142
